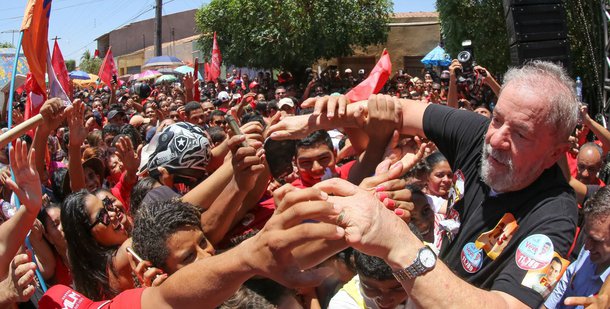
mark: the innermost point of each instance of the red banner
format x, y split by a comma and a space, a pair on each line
374, 82
216, 61
59, 66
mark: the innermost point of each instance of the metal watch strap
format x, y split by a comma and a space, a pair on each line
410, 272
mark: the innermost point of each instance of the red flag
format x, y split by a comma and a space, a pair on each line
196, 92
206, 71
108, 69
56, 89
374, 82
216, 61
35, 27
35, 96
59, 66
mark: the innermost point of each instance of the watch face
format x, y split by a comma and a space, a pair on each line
427, 258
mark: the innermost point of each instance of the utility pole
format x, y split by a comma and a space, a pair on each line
13, 32
158, 33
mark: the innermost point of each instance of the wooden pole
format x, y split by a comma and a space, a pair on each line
16, 131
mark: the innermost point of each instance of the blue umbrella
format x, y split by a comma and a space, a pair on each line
162, 61
79, 75
438, 56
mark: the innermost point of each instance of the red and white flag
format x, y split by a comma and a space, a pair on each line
374, 82
216, 61
56, 89
59, 66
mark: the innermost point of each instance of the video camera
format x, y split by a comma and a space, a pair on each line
468, 80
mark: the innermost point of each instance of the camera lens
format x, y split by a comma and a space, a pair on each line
463, 56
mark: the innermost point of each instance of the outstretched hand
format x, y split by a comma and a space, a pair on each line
271, 248
27, 182
75, 114
600, 301
52, 112
369, 226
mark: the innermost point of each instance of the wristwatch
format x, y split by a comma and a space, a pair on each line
424, 262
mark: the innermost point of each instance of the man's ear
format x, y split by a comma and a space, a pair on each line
166, 178
559, 150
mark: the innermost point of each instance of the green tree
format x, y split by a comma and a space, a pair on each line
480, 21
6, 45
70, 65
290, 34
484, 22
89, 64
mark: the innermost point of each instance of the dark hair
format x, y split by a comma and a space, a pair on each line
57, 184
43, 216
315, 139
251, 117
89, 260
217, 112
133, 134
139, 191
217, 134
110, 128
433, 159
155, 222
598, 205
191, 106
372, 267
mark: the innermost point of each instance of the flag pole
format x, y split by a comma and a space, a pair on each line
8, 136
12, 88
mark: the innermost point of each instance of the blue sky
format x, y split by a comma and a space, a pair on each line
79, 22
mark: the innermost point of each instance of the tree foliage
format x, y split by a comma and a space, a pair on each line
483, 21
480, 21
89, 64
291, 34
6, 45
70, 65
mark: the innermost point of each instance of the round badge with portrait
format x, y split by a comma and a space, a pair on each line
472, 258
534, 252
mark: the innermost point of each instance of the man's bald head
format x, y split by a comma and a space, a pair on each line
589, 163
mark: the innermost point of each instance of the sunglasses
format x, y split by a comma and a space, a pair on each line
220, 122
103, 216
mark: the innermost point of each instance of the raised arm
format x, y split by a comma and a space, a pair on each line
27, 188
602, 133
78, 133
52, 115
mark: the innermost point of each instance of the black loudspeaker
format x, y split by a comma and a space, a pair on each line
537, 30
556, 51
512, 3
536, 23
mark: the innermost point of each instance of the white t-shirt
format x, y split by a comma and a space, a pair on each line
343, 300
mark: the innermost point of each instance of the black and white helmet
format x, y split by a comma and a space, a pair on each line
184, 150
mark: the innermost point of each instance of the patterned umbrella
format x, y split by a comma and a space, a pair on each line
438, 56
7, 57
148, 74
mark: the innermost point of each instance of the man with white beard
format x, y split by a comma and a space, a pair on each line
517, 213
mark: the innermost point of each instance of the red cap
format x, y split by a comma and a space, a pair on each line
253, 84
61, 296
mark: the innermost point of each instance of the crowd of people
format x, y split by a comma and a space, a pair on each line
255, 193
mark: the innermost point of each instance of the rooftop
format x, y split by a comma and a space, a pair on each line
415, 14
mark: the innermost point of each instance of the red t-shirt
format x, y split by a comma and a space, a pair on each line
62, 272
122, 191
255, 219
61, 296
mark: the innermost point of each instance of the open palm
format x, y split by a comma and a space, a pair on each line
27, 182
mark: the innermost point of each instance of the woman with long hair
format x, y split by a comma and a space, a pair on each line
97, 242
